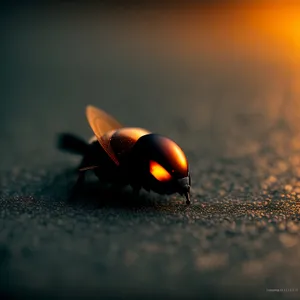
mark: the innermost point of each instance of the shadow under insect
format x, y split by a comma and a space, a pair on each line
93, 193
99, 194
96, 193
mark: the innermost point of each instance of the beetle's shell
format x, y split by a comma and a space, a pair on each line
122, 140
163, 151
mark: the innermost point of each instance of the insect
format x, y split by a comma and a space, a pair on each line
130, 156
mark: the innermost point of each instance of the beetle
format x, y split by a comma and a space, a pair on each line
129, 156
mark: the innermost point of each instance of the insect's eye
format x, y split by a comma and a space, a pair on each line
159, 172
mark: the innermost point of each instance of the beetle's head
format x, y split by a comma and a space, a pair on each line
160, 165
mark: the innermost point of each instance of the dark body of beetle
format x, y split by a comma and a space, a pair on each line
130, 156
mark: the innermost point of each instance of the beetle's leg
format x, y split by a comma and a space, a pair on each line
116, 190
77, 186
135, 192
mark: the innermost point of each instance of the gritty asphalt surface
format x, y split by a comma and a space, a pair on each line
237, 121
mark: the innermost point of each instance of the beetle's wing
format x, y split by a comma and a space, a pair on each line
101, 123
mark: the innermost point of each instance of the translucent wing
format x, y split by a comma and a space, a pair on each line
101, 123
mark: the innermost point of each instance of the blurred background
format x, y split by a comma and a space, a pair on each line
222, 78
218, 70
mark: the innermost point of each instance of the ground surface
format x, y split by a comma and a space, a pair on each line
234, 114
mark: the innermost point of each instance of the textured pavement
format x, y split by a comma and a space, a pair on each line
237, 118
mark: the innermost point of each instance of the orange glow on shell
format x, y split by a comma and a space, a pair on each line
132, 133
181, 158
159, 172
122, 140
175, 155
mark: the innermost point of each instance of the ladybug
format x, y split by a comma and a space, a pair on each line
129, 156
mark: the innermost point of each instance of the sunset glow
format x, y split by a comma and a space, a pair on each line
264, 28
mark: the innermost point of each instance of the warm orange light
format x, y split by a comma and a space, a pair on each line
180, 156
282, 24
159, 172
133, 133
174, 155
